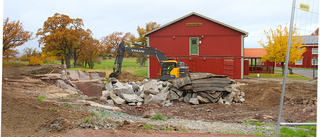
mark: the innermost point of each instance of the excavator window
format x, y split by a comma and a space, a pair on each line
167, 67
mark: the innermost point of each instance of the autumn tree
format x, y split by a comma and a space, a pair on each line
143, 41
90, 51
276, 43
10, 54
111, 41
59, 35
13, 35
32, 55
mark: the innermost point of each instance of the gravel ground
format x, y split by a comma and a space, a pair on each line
189, 125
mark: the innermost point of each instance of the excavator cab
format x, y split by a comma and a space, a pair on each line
172, 69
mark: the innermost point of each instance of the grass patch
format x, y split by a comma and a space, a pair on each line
40, 98
287, 132
147, 127
278, 76
158, 117
254, 123
302, 131
55, 109
86, 119
13, 64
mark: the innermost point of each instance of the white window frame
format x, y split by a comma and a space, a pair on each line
299, 62
314, 61
314, 50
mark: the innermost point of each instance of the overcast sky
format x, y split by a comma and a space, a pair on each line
103, 17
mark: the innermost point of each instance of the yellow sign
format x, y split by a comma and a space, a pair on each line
304, 7
193, 24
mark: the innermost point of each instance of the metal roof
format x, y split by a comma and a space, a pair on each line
310, 40
254, 52
197, 14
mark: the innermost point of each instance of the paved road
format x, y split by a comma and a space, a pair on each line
302, 71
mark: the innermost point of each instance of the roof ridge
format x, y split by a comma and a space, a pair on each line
202, 16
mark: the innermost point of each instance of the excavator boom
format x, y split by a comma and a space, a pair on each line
122, 48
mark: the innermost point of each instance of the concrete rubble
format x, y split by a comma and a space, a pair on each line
198, 88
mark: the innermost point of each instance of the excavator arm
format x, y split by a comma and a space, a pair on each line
122, 48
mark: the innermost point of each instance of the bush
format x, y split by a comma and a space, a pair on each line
35, 61
158, 117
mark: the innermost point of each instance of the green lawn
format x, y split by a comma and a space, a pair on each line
128, 64
277, 75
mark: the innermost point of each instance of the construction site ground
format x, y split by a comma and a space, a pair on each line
23, 114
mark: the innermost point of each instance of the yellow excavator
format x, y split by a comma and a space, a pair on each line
170, 69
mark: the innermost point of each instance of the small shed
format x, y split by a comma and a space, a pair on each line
204, 44
253, 62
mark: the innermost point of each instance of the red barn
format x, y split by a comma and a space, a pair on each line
204, 44
310, 56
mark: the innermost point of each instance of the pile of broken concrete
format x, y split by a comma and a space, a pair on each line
197, 88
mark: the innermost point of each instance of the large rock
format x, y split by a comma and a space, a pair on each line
97, 75
84, 75
132, 98
78, 75
178, 92
123, 89
63, 84
194, 101
116, 99
135, 87
166, 88
151, 87
203, 99
106, 93
159, 99
173, 96
187, 98
73, 75
109, 86
90, 87
228, 97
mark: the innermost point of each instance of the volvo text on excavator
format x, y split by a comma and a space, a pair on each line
170, 69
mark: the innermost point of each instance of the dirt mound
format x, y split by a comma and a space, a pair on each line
24, 115
127, 76
46, 69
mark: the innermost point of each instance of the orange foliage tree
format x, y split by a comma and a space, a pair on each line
143, 41
13, 35
90, 51
111, 41
10, 54
59, 35
32, 55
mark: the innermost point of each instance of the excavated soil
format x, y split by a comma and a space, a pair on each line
127, 76
24, 115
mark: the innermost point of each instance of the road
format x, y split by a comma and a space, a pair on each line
303, 71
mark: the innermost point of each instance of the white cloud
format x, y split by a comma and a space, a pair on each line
106, 16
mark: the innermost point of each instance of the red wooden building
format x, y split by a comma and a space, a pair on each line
310, 56
204, 44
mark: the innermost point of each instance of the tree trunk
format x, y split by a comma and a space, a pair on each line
62, 61
143, 60
91, 62
75, 62
282, 66
85, 63
67, 58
